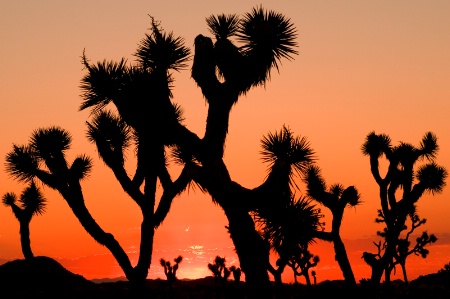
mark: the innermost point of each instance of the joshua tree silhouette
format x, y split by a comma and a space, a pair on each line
302, 262
236, 271
224, 72
336, 199
31, 202
410, 181
44, 159
171, 270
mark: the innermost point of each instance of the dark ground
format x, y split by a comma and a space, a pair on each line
44, 278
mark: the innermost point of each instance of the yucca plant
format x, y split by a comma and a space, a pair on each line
412, 171
31, 202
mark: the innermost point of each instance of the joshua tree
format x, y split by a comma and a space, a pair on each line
31, 202
289, 231
224, 71
171, 271
219, 270
336, 199
403, 249
403, 179
44, 159
236, 271
301, 262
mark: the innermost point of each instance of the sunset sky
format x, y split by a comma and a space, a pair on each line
363, 66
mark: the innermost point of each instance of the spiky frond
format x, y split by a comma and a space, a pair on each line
429, 146
432, 176
21, 163
9, 199
111, 135
314, 181
32, 200
223, 26
336, 189
282, 146
376, 145
295, 225
178, 112
405, 153
81, 167
160, 50
268, 34
103, 83
50, 142
351, 196
178, 259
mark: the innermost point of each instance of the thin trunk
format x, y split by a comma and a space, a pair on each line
25, 239
76, 203
276, 273
308, 280
405, 276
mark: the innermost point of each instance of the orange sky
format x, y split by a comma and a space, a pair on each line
363, 66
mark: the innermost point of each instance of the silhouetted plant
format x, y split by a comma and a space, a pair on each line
336, 198
403, 179
236, 271
31, 202
224, 72
219, 270
403, 249
445, 269
301, 262
171, 270
44, 159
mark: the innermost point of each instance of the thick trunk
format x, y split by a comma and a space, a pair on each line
145, 251
308, 280
344, 263
253, 253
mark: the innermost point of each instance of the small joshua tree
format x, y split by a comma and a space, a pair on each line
336, 198
403, 246
220, 271
400, 189
236, 271
301, 262
31, 202
171, 271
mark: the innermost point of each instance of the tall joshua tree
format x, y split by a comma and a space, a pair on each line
44, 159
31, 202
336, 198
400, 189
224, 71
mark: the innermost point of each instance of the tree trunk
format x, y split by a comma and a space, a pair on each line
25, 239
342, 259
405, 276
253, 253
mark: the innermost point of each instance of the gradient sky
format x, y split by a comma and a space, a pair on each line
363, 66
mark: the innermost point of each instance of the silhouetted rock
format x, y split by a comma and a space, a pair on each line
40, 275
